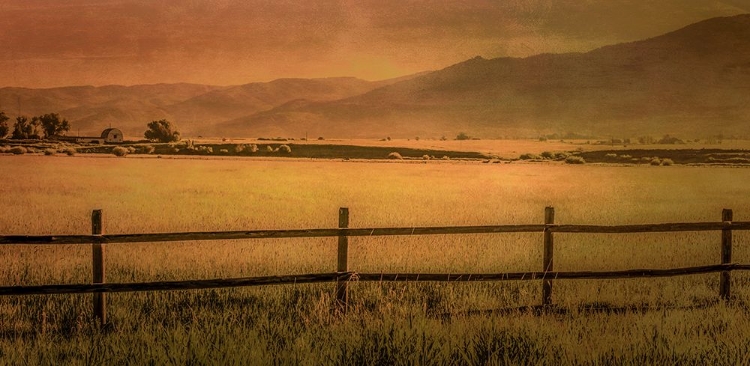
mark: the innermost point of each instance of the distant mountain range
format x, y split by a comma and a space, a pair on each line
693, 82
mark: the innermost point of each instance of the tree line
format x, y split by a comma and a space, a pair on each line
48, 125
38, 127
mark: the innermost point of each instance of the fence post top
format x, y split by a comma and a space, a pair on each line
96, 222
726, 214
549, 215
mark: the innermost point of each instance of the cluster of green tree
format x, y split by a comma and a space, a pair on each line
48, 125
38, 127
162, 131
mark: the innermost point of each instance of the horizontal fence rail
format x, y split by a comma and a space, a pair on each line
344, 275
363, 277
354, 232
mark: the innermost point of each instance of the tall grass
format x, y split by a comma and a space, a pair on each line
388, 323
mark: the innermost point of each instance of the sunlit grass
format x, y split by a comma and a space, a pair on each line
388, 322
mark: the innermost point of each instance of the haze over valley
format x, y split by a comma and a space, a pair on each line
691, 82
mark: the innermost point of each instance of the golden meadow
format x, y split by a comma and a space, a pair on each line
669, 320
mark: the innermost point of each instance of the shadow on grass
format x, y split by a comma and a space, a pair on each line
595, 308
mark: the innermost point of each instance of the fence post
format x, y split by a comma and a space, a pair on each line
549, 219
97, 266
342, 287
726, 255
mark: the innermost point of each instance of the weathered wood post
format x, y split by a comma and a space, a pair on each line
726, 255
549, 219
97, 266
342, 287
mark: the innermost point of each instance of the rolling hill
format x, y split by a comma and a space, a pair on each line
693, 82
195, 109
690, 82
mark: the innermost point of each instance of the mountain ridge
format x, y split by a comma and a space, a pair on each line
691, 81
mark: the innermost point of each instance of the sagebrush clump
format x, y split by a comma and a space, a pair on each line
575, 160
529, 156
18, 150
120, 151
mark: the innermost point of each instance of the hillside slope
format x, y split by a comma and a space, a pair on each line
195, 109
693, 81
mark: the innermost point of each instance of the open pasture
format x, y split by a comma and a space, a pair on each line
388, 322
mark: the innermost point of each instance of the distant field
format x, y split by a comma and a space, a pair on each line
509, 149
735, 152
389, 323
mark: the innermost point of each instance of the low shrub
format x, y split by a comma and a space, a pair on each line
223, 151
446, 157
575, 160
120, 151
239, 148
655, 161
548, 155
50, 152
269, 148
667, 162
529, 156
70, 151
611, 156
426, 157
148, 149
285, 149
18, 150
395, 155
561, 156
131, 149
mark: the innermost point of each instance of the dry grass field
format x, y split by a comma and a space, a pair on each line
664, 321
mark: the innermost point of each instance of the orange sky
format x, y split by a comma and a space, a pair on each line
47, 43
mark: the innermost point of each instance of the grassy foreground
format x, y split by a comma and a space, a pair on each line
389, 323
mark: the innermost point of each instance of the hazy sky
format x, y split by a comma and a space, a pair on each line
45, 43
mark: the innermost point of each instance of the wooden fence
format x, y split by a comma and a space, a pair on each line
343, 275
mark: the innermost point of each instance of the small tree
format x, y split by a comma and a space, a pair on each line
162, 131
25, 129
120, 151
4, 129
51, 124
462, 136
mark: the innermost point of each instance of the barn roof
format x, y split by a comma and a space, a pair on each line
107, 131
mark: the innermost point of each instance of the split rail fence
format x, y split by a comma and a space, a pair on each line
343, 275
